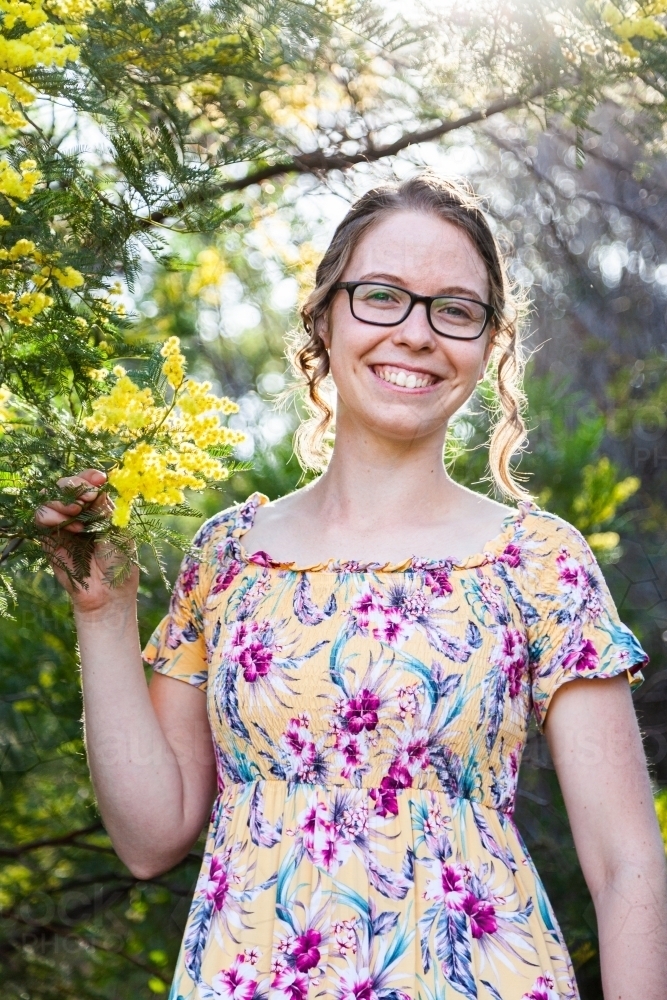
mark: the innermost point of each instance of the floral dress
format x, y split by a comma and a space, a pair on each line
368, 723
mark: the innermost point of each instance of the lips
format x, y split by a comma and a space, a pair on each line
404, 377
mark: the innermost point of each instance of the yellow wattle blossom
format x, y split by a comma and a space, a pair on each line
67, 277
29, 271
168, 444
17, 185
173, 368
42, 42
640, 22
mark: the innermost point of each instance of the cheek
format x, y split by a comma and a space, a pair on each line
468, 360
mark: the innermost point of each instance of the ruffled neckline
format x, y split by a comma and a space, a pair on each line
495, 547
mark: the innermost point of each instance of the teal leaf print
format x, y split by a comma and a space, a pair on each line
384, 923
453, 950
425, 925
196, 935
495, 995
305, 608
473, 635
419, 670
262, 833
488, 841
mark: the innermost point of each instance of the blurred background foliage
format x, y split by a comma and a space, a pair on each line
556, 113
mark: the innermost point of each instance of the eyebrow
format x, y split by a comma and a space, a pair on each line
393, 279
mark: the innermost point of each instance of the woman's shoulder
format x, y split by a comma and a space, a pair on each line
231, 522
540, 536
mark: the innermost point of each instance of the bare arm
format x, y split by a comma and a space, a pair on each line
150, 750
597, 750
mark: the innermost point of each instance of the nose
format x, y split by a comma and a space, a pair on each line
415, 331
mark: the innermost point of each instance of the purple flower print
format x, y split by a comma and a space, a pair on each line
386, 801
305, 951
482, 916
255, 660
251, 645
361, 711
352, 750
544, 988
583, 657
327, 847
414, 756
392, 628
362, 609
437, 580
309, 821
260, 558
453, 889
298, 743
399, 618
512, 658
236, 983
189, 579
407, 700
330, 849
174, 636
289, 984
453, 892
503, 785
571, 573
354, 822
385, 798
216, 883
225, 578
356, 985
511, 555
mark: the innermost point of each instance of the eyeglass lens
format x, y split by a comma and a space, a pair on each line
386, 305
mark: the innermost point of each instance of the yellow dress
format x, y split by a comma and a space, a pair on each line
368, 723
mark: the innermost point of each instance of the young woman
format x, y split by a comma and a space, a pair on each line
356, 664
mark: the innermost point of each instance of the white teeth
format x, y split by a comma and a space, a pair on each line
407, 380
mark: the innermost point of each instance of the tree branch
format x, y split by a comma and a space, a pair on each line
320, 161
35, 845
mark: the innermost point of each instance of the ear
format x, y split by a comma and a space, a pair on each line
487, 352
323, 330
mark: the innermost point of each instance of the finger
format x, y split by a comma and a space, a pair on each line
47, 517
75, 482
67, 509
94, 476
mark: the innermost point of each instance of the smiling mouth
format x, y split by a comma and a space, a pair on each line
403, 377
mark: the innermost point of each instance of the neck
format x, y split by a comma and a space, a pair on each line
371, 478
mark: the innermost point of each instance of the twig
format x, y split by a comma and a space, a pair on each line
35, 845
319, 160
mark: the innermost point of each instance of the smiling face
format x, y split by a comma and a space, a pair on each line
405, 382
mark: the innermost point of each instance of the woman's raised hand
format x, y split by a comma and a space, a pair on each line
98, 592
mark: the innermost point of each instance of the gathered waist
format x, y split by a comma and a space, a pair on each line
384, 795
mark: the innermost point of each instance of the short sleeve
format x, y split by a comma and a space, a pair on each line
574, 630
177, 647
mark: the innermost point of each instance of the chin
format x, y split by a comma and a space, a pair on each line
406, 428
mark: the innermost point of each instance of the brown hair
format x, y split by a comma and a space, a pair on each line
455, 202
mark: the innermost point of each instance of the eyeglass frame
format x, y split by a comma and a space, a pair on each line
428, 300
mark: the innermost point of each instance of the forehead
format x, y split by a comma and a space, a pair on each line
420, 250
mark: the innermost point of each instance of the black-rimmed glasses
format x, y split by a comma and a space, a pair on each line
388, 305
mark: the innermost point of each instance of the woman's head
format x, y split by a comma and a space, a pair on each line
428, 236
